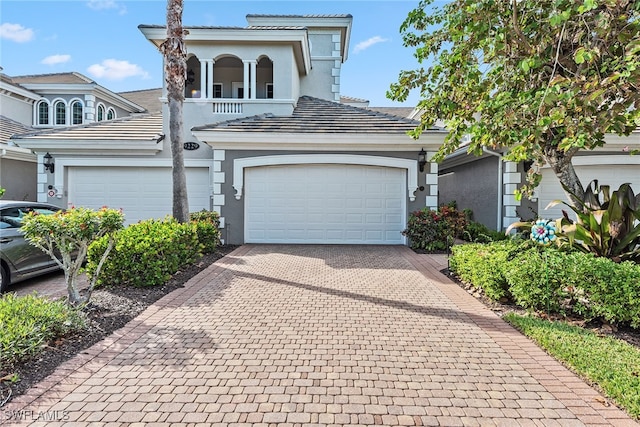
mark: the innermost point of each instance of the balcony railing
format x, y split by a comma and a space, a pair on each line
227, 106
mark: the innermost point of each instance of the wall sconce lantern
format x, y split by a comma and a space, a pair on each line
422, 159
48, 163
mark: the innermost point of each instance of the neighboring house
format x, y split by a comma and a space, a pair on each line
17, 165
486, 185
268, 144
46, 101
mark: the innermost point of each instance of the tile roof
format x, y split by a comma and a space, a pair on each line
259, 15
142, 127
396, 111
9, 127
55, 78
313, 115
146, 98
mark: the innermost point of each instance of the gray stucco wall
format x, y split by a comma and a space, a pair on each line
18, 178
233, 210
473, 186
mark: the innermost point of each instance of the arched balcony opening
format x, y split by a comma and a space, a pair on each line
264, 78
193, 83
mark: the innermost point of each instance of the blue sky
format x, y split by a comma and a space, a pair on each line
100, 39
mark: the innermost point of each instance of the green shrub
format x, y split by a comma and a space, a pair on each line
484, 265
546, 279
613, 289
146, 253
477, 232
30, 322
434, 230
207, 228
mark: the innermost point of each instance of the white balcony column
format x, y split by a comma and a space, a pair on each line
246, 79
210, 63
203, 80
254, 79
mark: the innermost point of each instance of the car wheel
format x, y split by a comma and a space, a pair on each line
4, 279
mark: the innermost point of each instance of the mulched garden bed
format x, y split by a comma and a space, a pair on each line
109, 310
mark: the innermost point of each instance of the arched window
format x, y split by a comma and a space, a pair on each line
60, 112
76, 113
100, 112
42, 113
111, 114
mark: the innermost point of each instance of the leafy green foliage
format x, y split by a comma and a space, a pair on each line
146, 253
207, 228
485, 266
66, 235
477, 232
541, 79
2, 190
612, 364
547, 278
434, 230
608, 225
30, 322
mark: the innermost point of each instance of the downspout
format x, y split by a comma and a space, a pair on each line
500, 186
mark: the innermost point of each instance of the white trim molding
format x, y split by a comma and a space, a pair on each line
409, 165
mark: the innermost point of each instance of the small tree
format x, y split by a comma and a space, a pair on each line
66, 235
540, 79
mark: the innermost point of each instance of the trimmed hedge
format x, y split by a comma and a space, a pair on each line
146, 253
207, 228
485, 266
544, 278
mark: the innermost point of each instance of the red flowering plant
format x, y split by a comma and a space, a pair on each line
66, 235
434, 230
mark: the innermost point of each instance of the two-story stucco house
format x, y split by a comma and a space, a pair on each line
268, 144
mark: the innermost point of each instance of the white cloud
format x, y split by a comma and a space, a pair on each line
16, 32
56, 59
368, 43
106, 5
113, 69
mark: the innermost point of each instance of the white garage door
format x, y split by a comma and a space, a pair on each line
325, 204
612, 175
142, 193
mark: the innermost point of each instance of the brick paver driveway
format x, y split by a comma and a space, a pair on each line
324, 335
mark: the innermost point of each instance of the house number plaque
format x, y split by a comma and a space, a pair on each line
191, 146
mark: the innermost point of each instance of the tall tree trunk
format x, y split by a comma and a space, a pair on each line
560, 162
175, 69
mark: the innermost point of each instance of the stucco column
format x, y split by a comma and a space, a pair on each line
245, 90
511, 179
431, 181
203, 80
90, 108
210, 63
254, 79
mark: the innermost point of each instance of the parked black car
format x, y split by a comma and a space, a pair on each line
19, 260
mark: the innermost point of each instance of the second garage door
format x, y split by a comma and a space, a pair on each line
141, 193
349, 204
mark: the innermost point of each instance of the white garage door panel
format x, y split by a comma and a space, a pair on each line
325, 204
141, 193
612, 175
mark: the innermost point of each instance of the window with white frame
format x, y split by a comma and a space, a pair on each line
76, 113
217, 90
111, 114
269, 90
100, 112
60, 113
42, 113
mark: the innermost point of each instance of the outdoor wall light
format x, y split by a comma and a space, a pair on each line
422, 159
48, 162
